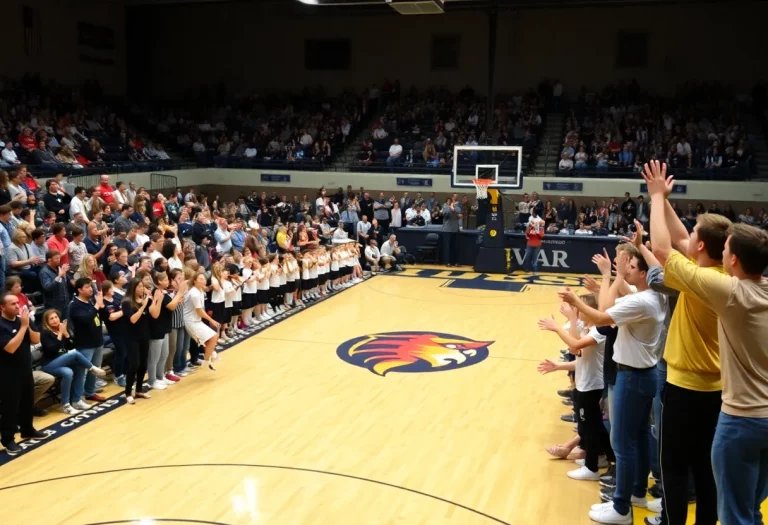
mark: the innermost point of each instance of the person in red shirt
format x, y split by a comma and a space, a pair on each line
29, 181
534, 232
27, 140
107, 191
58, 242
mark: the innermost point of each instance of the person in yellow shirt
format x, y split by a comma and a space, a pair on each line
739, 298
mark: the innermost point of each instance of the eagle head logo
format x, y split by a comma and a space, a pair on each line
412, 352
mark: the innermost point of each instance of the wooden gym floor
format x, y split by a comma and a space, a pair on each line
287, 432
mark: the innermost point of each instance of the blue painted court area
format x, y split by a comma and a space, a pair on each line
515, 282
482, 284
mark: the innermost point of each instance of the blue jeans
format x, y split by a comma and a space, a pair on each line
740, 465
71, 368
661, 378
94, 356
630, 433
182, 345
531, 258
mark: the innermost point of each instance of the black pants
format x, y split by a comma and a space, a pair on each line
594, 436
688, 422
384, 229
17, 393
138, 352
194, 351
451, 249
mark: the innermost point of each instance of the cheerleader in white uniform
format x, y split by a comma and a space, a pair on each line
305, 284
283, 285
274, 284
313, 272
334, 268
218, 276
262, 290
250, 280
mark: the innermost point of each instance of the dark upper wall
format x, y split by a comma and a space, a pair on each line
247, 46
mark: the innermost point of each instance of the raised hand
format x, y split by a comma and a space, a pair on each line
622, 264
24, 317
603, 263
655, 176
568, 296
591, 285
568, 312
546, 366
548, 323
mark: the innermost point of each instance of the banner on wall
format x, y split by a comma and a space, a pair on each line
405, 181
678, 188
563, 186
275, 177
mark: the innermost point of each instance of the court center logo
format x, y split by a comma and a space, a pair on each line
412, 352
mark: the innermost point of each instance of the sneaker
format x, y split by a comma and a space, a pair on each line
81, 405
607, 490
568, 418
98, 372
567, 401
568, 392
96, 397
130, 400
168, 382
120, 381
584, 473
159, 385
609, 515
183, 373
194, 365
655, 506
609, 483
639, 502
12, 448
598, 506
210, 366
69, 409
609, 474
652, 520
606, 496
172, 377
35, 434
189, 370
656, 491
601, 462
100, 383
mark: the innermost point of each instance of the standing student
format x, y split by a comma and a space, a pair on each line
136, 313
534, 232
16, 383
451, 220
161, 313
112, 317
640, 318
589, 350
740, 299
219, 276
88, 335
179, 339
194, 313
250, 283
262, 289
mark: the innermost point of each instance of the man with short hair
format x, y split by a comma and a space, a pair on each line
54, 200
740, 299
77, 204
107, 191
124, 224
362, 229
53, 280
640, 318
372, 255
395, 154
9, 155
88, 336
17, 388
451, 220
381, 209
390, 252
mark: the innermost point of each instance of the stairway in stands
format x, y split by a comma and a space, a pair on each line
550, 145
346, 158
759, 144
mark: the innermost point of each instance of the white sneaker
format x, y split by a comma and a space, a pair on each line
98, 372
100, 383
639, 502
81, 405
609, 515
159, 385
69, 409
653, 520
655, 506
598, 506
602, 462
241, 332
168, 382
183, 373
583, 473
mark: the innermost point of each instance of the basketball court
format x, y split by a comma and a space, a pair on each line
300, 426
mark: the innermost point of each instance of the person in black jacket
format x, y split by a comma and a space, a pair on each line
56, 200
200, 230
136, 314
61, 360
86, 323
17, 386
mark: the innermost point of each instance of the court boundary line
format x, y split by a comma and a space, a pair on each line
71, 423
159, 520
263, 466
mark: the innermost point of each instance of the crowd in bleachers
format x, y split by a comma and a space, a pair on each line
307, 129
699, 130
57, 129
418, 131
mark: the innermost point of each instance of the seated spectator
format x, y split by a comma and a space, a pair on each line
566, 164
8, 155
60, 359
581, 159
390, 253
372, 255
22, 262
395, 154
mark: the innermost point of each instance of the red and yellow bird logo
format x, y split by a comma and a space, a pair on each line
412, 352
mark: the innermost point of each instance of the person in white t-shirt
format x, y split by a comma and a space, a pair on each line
589, 347
194, 313
395, 153
640, 318
372, 255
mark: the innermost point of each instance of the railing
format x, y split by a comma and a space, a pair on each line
162, 181
99, 168
737, 173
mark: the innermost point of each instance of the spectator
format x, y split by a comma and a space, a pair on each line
581, 159
16, 379
9, 156
372, 255
53, 281
59, 243
395, 154
22, 262
628, 208
534, 232
451, 220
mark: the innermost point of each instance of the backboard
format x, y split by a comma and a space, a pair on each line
503, 164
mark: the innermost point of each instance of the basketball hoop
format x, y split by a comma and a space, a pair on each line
481, 185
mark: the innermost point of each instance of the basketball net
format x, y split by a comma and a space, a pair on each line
481, 186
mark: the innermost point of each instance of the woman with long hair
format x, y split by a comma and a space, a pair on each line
90, 269
59, 361
135, 308
112, 317
5, 193
176, 365
161, 313
171, 253
194, 314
